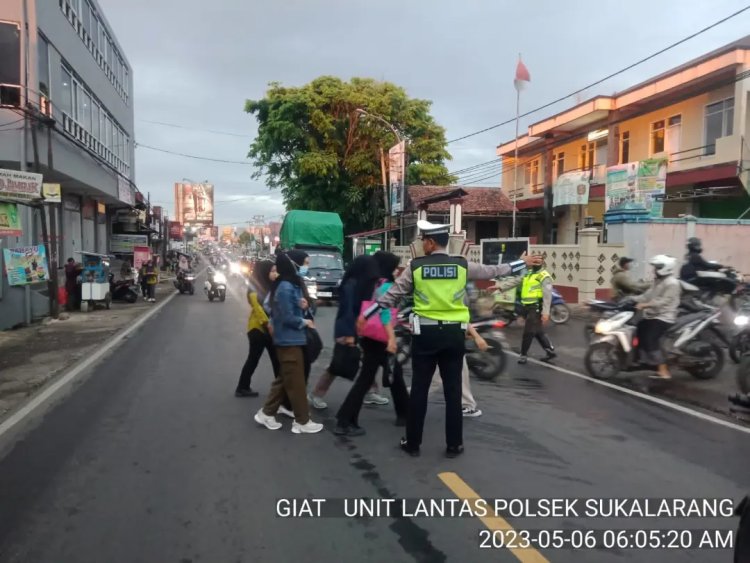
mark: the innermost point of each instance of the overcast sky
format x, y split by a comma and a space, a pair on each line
196, 62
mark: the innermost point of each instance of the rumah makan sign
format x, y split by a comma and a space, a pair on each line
21, 187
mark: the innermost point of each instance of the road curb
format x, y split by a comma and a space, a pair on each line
27, 417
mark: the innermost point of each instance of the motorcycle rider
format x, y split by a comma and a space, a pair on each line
694, 261
535, 292
622, 284
659, 305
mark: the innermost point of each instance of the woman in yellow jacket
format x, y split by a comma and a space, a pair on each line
258, 335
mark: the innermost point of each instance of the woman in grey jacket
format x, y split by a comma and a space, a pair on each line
659, 305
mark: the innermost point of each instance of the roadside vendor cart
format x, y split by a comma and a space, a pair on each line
94, 280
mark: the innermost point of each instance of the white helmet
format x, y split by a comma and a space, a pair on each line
664, 265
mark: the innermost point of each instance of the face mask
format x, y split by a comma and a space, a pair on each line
303, 270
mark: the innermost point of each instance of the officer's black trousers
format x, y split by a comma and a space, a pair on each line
533, 328
443, 347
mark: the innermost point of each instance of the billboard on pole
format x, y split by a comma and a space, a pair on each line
194, 204
396, 176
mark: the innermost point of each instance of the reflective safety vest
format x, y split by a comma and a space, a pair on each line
531, 287
440, 287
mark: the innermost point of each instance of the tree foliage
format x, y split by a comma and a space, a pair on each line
245, 238
315, 147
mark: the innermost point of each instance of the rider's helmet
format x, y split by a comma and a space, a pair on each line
663, 265
694, 245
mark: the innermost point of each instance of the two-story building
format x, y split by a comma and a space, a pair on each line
694, 116
66, 111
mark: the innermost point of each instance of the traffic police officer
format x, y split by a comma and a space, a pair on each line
536, 297
437, 282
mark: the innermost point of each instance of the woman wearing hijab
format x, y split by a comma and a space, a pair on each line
288, 306
375, 352
357, 285
258, 336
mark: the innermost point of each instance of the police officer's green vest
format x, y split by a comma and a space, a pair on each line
531, 287
440, 287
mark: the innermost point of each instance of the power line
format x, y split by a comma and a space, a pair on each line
629, 67
194, 128
245, 163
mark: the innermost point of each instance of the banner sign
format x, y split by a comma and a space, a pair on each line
124, 191
26, 265
125, 244
571, 188
635, 185
141, 255
175, 230
10, 220
396, 174
52, 193
194, 203
156, 212
22, 187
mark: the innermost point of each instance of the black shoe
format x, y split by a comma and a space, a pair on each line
245, 393
454, 451
551, 355
413, 452
400, 421
349, 430
522, 359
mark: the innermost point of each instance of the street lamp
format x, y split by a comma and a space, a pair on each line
386, 199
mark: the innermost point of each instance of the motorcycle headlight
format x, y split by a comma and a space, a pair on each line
603, 327
741, 320
189, 278
234, 268
220, 278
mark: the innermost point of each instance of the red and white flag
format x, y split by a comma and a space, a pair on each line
522, 75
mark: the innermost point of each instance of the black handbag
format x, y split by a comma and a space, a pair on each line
345, 362
314, 344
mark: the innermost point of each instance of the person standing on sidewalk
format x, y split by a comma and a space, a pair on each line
73, 285
535, 293
440, 319
356, 286
151, 279
290, 339
258, 336
376, 349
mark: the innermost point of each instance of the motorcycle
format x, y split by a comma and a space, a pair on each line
689, 344
716, 285
216, 287
123, 290
509, 309
184, 282
485, 365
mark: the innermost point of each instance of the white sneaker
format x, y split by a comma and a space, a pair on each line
269, 422
376, 399
309, 427
471, 413
285, 411
317, 402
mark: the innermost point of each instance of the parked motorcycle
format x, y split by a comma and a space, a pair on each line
216, 286
689, 344
184, 282
508, 308
123, 290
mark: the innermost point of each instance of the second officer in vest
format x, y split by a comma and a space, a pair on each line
535, 293
437, 282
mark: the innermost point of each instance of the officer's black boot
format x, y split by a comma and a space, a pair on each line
525, 345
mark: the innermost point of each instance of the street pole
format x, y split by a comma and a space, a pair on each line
515, 160
386, 219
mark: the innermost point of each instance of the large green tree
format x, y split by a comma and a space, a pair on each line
323, 155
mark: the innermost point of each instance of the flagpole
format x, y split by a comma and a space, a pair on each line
515, 159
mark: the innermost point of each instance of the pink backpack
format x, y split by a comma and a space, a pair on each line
374, 328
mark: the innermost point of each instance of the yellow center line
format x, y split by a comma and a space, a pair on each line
465, 492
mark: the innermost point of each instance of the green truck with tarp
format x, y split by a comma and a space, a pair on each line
321, 235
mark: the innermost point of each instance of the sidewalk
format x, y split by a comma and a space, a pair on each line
31, 357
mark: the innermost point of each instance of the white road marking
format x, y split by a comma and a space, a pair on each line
49, 392
644, 396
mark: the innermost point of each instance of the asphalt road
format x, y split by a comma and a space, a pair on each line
153, 459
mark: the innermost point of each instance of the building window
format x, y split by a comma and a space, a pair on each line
531, 173
10, 64
586, 156
95, 129
66, 94
674, 134
657, 137
559, 164
719, 122
625, 147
